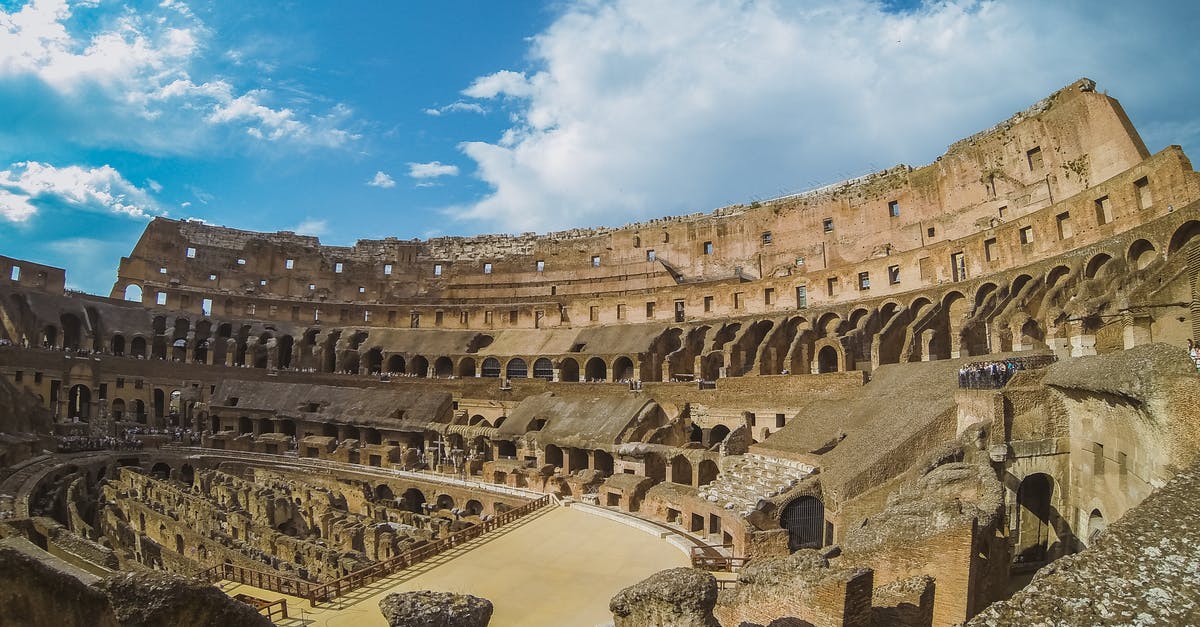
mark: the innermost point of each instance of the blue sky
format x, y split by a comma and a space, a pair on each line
357, 120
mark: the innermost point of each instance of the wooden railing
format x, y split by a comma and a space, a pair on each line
324, 592
708, 558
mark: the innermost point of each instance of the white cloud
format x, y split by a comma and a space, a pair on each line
154, 185
312, 226
457, 107
430, 170
382, 180
93, 189
139, 66
639, 109
504, 82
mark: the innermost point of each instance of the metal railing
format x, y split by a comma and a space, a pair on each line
324, 592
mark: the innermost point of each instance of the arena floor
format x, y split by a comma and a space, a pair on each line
557, 567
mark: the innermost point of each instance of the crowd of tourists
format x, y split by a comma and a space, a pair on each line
80, 443
988, 375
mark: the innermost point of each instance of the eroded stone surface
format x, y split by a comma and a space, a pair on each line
435, 609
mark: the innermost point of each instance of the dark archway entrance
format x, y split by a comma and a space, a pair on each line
1033, 523
804, 519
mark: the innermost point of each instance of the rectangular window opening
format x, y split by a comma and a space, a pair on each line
160, 298
769, 296
15, 275
1063, 221
801, 296
190, 253
827, 225
708, 248
1104, 212
1142, 189
487, 268
990, 249
893, 275
894, 209
767, 239
595, 261
1026, 233
541, 265
338, 267
864, 280
831, 285
650, 255
1034, 157
289, 263
650, 309
708, 301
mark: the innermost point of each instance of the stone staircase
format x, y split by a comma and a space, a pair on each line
746, 479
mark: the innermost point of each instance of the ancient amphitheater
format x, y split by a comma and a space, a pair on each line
953, 393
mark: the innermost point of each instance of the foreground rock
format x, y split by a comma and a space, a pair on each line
435, 609
679, 597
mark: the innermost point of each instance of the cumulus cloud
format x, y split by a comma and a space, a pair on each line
382, 180
633, 109
90, 189
139, 66
431, 170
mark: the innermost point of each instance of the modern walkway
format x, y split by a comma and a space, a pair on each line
556, 568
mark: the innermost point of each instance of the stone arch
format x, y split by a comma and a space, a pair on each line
596, 370
711, 365
543, 368
473, 508
396, 365
568, 369
372, 362
412, 500
718, 434
681, 470
828, 323
804, 519
1019, 284
133, 293
1141, 253
383, 492
1184, 235
79, 403
1096, 527
516, 369
707, 472
622, 368
858, 317
117, 345
161, 471
829, 358
419, 366
72, 332
443, 367
490, 368
1093, 268
1056, 274
466, 367
445, 501
137, 347
117, 409
554, 456
1033, 518
603, 461
984, 291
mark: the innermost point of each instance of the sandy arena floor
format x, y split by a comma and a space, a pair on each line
558, 567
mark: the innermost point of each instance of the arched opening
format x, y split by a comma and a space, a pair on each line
604, 461
466, 367
373, 361
443, 367
419, 366
284, 351
491, 368
383, 493
160, 403
568, 370
244, 425
139, 411
395, 364
179, 350
473, 508
160, 471
718, 434
708, 472
804, 519
622, 369
413, 500
72, 331
1056, 274
1141, 254
681, 470
1096, 527
117, 409
79, 403
827, 360
137, 348
696, 434
179, 544
516, 369
50, 336
133, 293
118, 345
1033, 523
445, 501
543, 369
187, 474
1096, 265
1184, 235
596, 370
554, 456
